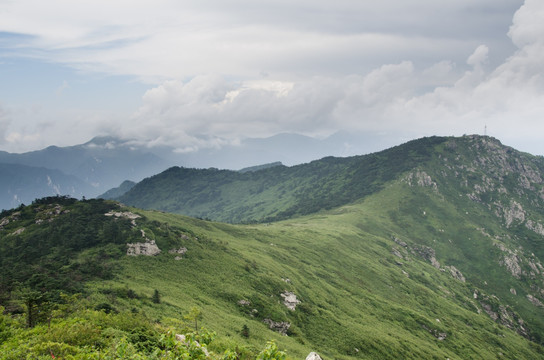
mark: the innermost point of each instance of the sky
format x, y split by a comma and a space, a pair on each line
197, 74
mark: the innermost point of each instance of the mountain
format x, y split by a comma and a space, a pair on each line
432, 249
105, 162
261, 167
279, 192
118, 191
22, 184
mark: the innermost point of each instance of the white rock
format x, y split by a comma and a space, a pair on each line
313, 356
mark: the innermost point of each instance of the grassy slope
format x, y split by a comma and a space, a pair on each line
279, 192
356, 301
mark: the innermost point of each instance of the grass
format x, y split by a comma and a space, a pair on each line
356, 300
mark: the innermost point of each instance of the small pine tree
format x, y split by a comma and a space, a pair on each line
245, 331
156, 297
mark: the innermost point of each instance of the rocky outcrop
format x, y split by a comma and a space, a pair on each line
279, 326
535, 226
456, 273
148, 248
181, 251
428, 254
124, 214
422, 179
503, 315
534, 300
4, 222
313, 356
400, 242
290, 300
440, 335
514, 212
397, 253
18, 231
511, 261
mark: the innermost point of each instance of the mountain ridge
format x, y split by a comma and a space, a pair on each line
432, 249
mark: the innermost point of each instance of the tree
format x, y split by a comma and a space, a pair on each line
194, 315
35, 305
245, 331
156, 297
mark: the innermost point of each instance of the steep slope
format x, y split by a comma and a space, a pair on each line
436, 254
400, 274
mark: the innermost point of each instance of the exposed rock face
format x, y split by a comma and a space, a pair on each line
4, 222
279, 326
148, 248
421, 178
514, 212
437, 334
244, 302
400, 242
511, 261
534, 300
313, 356
534, 226
18, 231
181, 251
397, 253
428, 254
504, 316
456, 273
290, 300
124, 214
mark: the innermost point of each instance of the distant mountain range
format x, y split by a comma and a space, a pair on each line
103, 163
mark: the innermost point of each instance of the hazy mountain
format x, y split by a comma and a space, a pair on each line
289, 149
118, 191
431, 249
105, 162
22, 184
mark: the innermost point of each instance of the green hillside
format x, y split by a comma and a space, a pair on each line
434, 255
279, 192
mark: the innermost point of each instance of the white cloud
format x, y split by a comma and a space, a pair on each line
171, 39
421, 67
395, 97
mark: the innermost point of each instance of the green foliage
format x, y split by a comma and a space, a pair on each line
359, 299
156, 297
271, 352
278, 192
245, 331
194, 315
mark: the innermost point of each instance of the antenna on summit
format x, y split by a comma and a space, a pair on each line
485, 130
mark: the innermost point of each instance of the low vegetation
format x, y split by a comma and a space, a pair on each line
437, 262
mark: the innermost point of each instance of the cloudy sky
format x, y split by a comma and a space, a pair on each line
203, 73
